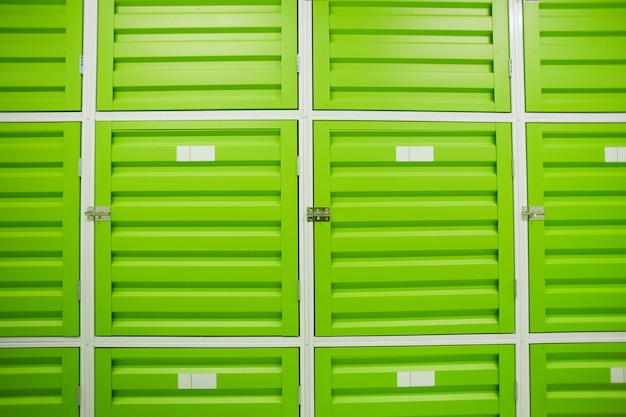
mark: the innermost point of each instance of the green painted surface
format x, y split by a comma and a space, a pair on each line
575, 55
39, 229
40, 49
575, 380
408, 55
198, 54
468, 381
413, 247
39, 382
145, 382
197, 248
578, 254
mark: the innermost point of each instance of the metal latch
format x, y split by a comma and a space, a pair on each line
318, 214
533, 213
98, 214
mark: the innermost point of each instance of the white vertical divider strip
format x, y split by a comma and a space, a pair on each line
87, 233
305, 151
522, 348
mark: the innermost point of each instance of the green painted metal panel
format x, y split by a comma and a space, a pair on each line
39, 229
409, 55
415, 381
40, 49
197, 247
413, 247
39, 382
578, 380
575, 55
197, 54
578, 254
197, 382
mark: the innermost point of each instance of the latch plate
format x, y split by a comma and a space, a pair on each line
318, 214
98, 214
533, 213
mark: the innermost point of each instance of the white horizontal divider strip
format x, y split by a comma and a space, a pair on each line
39, 342
41, 117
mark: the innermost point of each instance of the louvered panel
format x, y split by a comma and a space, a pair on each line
197, 247
578, 254
413, 247
39, 382
40, 49
407, 55
415, 381
575, 56
578, 380
200, 54
39, 229
197, 382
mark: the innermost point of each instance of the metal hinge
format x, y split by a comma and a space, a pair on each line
79, 289
82, 65
80, 167
533, 213
510, 67
78, 395
318, 214
298, 166
298, 63
98, 214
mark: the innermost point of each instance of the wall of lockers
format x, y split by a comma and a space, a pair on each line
317, 208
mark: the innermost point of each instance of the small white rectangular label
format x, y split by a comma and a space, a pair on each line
202, 153
423, 379
402, 154
422, 153
182, 153
617, 375
203, 381
611, 155
404, 379
621, 154
184, 381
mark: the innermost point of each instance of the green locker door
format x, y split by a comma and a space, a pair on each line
582, 380
40, 49
440, 381
420, 238
203, 234
577, 173
197, 382
39, 229
197, 55
39, 382
411, 55
575, 55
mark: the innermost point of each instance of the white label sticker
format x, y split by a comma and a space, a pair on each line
202, 153
404, 379
611, 155
621, 154
617, 375
184, 381
203, 381
402, 154
182, 153
423, 379
422, 153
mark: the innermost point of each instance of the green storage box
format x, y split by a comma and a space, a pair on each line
415, 381
39, 382
40, 50
575, 55
582, 380
197, 54
410, 55
577, 174
39, 229
420, 237
197, 382
203, 232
